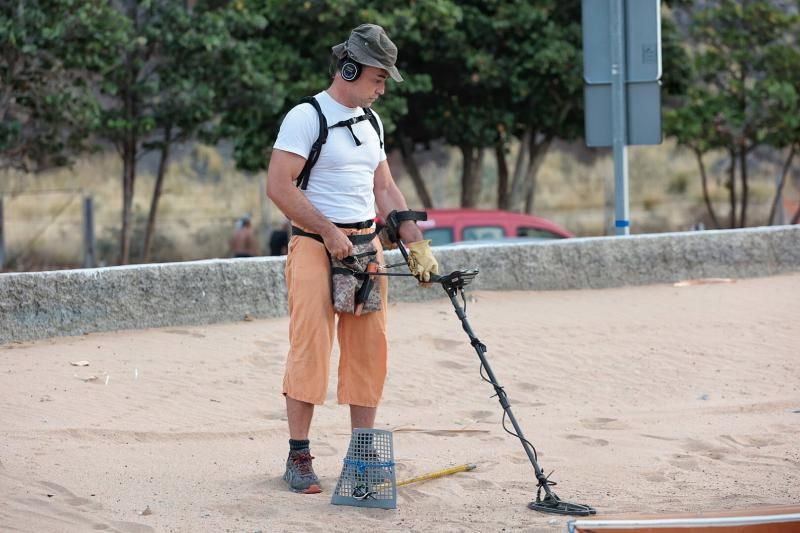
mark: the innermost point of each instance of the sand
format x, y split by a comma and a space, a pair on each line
643, 399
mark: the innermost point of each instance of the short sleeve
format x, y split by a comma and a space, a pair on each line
299, 130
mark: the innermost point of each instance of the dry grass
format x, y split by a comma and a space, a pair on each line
204, 195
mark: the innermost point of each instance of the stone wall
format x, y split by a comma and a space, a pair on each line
72, 302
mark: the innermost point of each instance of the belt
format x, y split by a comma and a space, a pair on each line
355, 239
364, 224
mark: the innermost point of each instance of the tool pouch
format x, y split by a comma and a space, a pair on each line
352, 289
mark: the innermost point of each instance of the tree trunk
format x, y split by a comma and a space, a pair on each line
407, 151
796, 216
745, 186
779, 188
732, 188
704, 180
538, 152
470, 175
163, 162
502, 175
520, 169
128, 177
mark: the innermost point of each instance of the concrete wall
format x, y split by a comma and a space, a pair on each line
73, 302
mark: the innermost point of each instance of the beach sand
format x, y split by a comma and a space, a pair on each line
648, 399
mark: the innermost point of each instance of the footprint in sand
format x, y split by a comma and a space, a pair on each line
603, 423
524, 385
262, 361
480, 415
185, 332
324, 449
270, 345
68, 497
684, 461
657, 437
588, 441
446, 345
656, 477
279, 414
453, 365
130, 527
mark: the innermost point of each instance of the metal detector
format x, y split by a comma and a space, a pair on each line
453, 284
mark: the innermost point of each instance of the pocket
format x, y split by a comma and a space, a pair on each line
352, 291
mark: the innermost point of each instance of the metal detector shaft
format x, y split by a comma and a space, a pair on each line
454, 283
480, 348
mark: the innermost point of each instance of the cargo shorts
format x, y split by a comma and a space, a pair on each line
363, 344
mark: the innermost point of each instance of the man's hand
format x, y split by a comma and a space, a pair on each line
421, 261
337, 243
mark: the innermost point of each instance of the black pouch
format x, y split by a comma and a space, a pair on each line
350, 282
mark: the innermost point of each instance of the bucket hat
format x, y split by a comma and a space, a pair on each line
369, 45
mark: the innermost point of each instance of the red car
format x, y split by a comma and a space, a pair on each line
445, 226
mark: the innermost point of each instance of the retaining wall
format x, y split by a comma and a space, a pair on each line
72, 302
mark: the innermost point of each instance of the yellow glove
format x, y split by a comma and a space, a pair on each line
421, 261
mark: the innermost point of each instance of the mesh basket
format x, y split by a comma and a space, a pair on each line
367, 478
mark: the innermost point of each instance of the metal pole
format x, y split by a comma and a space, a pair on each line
88, 233
2, 240
619, 117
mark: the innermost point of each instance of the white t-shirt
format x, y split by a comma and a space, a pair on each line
341, 182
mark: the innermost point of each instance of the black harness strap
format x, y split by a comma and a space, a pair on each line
349, 123
374, 121
316, 148
355, 239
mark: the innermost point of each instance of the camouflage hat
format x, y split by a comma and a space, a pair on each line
369, 45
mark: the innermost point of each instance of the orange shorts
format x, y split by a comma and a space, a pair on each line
363, 344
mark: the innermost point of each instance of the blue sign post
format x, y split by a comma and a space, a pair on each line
621, 69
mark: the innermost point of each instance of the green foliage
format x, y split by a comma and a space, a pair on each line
51, 55
745, 83
272, 65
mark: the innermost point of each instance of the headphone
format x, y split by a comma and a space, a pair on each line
349, 68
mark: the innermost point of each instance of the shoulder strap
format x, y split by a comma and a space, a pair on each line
374, 121
316, 148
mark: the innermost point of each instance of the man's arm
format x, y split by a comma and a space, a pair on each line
284, 167
388, 198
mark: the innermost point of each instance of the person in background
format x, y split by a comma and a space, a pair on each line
279, 240
243, 241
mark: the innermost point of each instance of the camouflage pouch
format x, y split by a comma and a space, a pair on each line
345, 286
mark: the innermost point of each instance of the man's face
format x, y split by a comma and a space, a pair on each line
369, 86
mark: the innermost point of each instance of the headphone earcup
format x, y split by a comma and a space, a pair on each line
349, 69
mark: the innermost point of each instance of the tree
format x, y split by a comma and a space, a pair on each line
158, 91
781, 94
271, 68
50, 52
191, 46
541, 59
468, 105
726, 110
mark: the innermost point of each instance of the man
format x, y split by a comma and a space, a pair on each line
243, 241
350, 179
